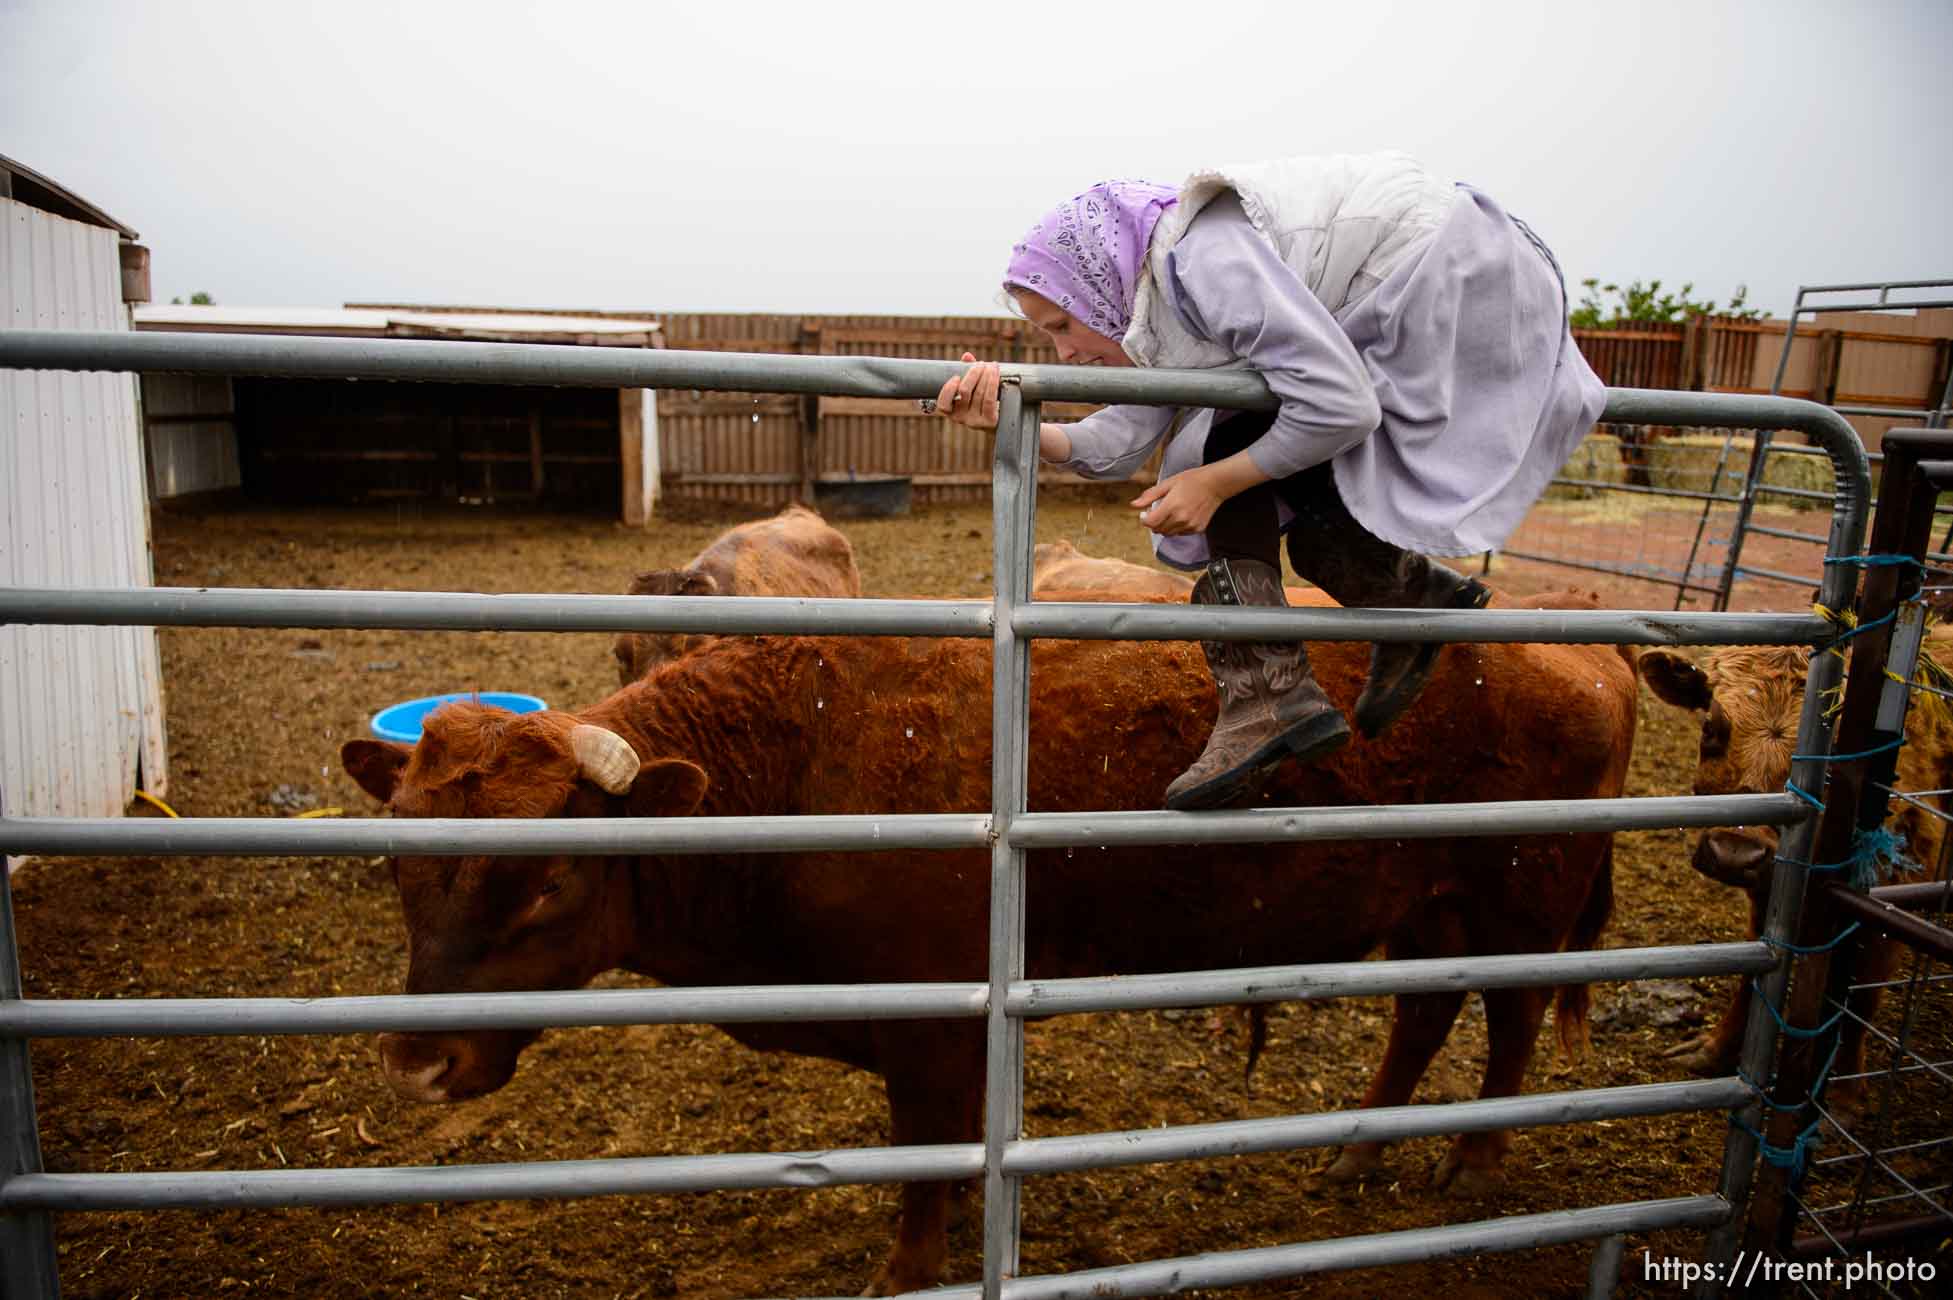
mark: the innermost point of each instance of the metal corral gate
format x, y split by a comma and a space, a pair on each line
1934, 417
28, 1195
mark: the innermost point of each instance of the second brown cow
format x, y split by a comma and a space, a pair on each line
1061, 566
793, 553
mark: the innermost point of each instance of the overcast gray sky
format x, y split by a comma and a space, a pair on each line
883, 157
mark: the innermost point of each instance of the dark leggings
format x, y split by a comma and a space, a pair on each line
1324, 543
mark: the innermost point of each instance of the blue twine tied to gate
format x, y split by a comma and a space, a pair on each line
1886, 748
1789, 1029
1807, 950
1876, 854
1817, 1084
1796, 1157
1879, 854
1875, 561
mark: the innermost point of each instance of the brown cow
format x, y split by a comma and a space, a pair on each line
1060, 566
793, 553
790, 725
1750, 698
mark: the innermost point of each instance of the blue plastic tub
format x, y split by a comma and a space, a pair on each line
402, 721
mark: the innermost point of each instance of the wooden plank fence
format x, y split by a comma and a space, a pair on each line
765, 450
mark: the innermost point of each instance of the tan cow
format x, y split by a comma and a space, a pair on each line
1061, 566
1750, 698
794, 553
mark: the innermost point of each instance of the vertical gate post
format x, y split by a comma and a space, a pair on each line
1012, 509
27, 1259
1853, 803
809, 409
1781, 921
1753, 477
1604, 1267
1759, 453
1788, 883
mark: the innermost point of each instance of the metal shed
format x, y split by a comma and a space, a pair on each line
331, 441
81, 708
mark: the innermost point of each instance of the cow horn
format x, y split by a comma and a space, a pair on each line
604, 757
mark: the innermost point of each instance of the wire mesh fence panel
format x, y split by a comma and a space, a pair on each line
1659, 505
1878, 1196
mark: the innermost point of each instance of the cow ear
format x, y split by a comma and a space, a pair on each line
1675, 678
375, 764
652, 582
697, 582
667, 787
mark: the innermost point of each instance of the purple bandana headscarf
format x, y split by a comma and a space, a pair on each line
1085, 254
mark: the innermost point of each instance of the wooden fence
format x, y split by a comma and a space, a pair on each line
1862, 360
768, 449
1716, 354
764, 450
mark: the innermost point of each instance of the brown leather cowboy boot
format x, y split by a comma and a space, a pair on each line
1270, 704
1331, 548
1399, 669
1373, 574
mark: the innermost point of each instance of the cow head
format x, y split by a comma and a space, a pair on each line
1750, 699
639, 652
489, 924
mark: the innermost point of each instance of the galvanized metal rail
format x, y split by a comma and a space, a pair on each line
28, 1194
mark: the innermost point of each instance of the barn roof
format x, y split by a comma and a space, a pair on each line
371, 322
23, 184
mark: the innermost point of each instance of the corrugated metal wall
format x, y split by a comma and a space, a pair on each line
190, 425
79, 706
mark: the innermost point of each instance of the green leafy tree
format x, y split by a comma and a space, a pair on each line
197, 299
1640, 304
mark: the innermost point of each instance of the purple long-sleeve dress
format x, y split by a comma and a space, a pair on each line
1445, 399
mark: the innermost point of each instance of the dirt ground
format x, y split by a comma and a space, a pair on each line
255, 720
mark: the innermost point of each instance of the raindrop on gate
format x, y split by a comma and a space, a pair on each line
909, 732
1479, 682
820, 704
755, 417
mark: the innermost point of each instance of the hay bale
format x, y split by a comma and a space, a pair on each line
1689, 463
1596, 460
